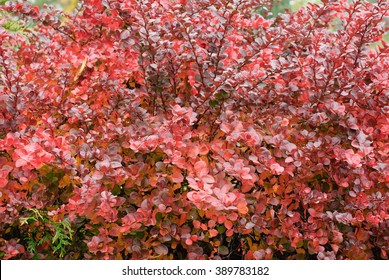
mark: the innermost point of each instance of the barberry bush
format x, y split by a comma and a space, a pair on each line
144, 129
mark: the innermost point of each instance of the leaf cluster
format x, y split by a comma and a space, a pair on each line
195, 130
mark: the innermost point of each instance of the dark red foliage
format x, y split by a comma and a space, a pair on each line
196, 129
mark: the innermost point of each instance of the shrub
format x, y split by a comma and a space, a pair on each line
195, 130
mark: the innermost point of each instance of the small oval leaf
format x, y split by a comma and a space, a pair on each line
223, 250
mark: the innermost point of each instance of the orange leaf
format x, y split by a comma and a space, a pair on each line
196, 224
182, 219
221, 219
243, 210
228, 224
213, 233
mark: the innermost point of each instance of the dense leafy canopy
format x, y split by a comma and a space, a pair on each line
195, 130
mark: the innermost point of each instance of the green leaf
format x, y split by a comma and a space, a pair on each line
223, 250
213, 103
221, 229
116, 189
158, 216
138, 234
31, 245
51, 177
13, 26
43, 239
27, 220
221, 95
225, 94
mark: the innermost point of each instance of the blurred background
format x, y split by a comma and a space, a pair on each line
65, 5
69, 5
279, 7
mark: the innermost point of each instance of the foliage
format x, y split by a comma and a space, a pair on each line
280, 6
65, 5
9, 24
38, 235
195, 130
